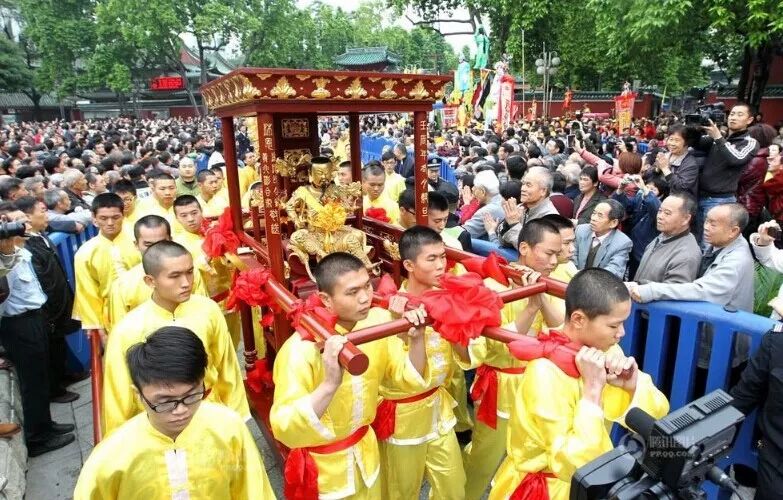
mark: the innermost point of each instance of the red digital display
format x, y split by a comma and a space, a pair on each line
167, 83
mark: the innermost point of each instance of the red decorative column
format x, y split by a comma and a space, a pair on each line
420, 170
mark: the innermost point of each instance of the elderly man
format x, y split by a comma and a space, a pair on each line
486, 190
58, 205
96, 184
534, 204
35, 187
75, 185
12, 188
674, 255
600, 243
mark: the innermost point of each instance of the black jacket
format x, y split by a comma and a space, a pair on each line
76, 201
761, 386
50, 272
726, 158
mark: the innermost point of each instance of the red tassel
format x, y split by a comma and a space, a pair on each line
532, 487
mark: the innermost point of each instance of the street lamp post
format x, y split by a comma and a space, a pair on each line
546, 66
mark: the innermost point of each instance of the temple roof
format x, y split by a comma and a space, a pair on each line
364, 56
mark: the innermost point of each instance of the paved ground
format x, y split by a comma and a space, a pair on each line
53, 476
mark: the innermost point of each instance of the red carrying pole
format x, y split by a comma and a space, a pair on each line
96, 383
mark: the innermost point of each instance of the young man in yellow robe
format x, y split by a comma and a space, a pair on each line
216, 274
180, 446
100, 261
323, 414
130, 289
423, 442
559, 423
394, 184
127, 191
161, 203
212, 202
373, 182
499, 372
168, 269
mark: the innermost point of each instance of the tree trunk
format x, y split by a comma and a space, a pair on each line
191, 96
202, 64
760, 75
745, 76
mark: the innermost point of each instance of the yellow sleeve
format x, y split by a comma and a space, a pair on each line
569, 430
117, 306
230, 387
199, 288
400, 372
120, 402
393, 212
87, 302
297, 373
98, 479
250, 480
647, 397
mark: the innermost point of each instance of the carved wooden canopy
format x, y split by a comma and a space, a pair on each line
298, 90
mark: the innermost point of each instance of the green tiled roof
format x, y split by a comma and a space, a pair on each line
20, 100
366, 56
770, 91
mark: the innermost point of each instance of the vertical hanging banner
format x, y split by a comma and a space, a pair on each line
450, 116
623, 109
506, 102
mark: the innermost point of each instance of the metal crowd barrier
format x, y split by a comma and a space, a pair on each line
664, 338
81, 347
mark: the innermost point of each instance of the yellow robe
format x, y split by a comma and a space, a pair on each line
214, 458
384, 202
150, 206
299, 370
96, 265
553, 430
216, 275
394, 185
423, 441
203, 317
247, 176
215, 206
130, 290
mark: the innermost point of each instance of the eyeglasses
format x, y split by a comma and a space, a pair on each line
168, 406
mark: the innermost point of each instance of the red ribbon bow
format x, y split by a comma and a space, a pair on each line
311, 305
485, 390
377, 213
533, 487
301, 475
478, 306
248, 288
260, 376
488, 267
220, 239
555, 347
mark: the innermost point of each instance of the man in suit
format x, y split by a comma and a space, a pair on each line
59, 303
600, 244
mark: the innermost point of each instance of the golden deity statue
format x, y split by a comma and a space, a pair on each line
319, 210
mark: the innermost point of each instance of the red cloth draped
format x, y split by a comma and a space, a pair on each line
485, 390
462, 307
488, 267
300, 473
377, 213
260, 376
248, 288
220, 239
532, 487
311, 305
555, 347
386, 415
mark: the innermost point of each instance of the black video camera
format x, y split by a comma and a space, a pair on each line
11, 229
669, 458
706, 113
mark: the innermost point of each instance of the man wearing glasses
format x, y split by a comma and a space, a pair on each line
180, 446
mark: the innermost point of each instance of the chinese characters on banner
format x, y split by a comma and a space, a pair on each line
271, 212
506, 100
623, 106
450, 116
420, 119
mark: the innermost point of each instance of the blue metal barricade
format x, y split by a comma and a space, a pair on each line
372, 149
78, 344
664, 338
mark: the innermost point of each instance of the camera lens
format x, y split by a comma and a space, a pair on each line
11, 229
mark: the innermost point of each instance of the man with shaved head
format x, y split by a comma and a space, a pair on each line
168, 271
